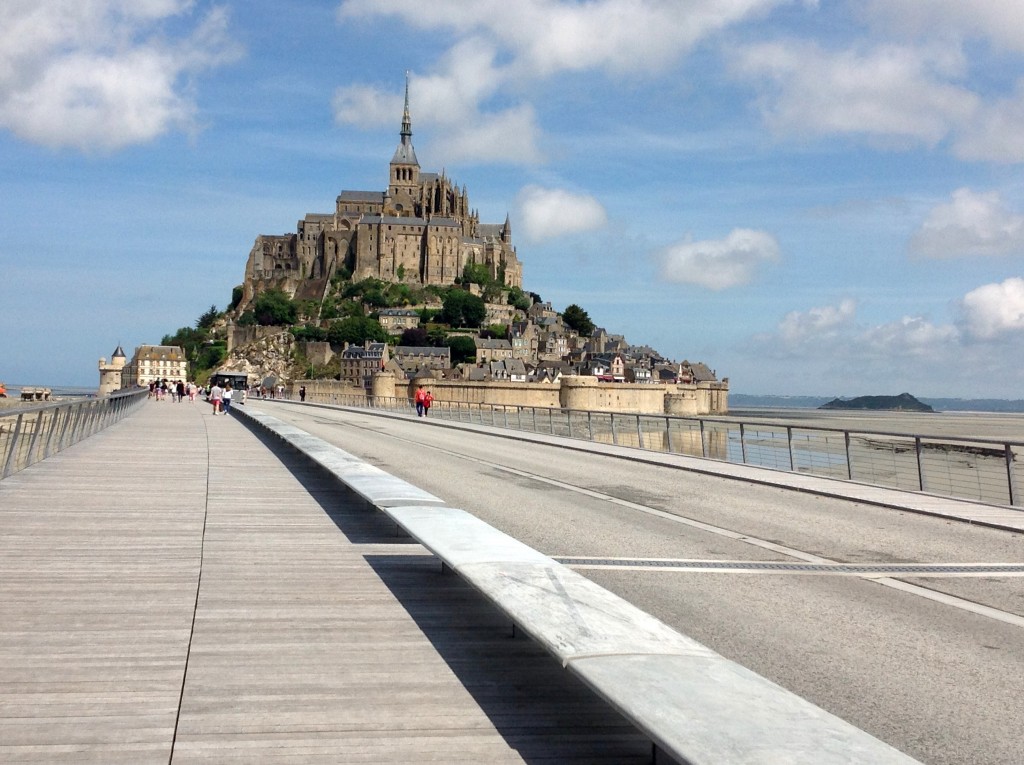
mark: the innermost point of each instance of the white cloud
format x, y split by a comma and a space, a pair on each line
720, 263
101, 75
995, 20
365, 106
547, 36
502, 46
970, 224
995, 310
816, 324
888, 92
909, 337
451, 100
548, 213
995, 134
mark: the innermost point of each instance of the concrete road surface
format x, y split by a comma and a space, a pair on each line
931, 663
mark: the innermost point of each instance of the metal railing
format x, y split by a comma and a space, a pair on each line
29, 434
981, 470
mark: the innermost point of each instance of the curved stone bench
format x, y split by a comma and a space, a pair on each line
695, 705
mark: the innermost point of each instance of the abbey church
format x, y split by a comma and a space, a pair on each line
421, 231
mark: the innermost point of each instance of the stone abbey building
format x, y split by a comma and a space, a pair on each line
421, 231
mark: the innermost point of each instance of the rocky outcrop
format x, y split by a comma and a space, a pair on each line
266, 356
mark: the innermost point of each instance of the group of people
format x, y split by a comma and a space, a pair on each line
423, 400
176, 391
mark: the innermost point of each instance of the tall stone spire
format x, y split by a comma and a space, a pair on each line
405, 154
406, 119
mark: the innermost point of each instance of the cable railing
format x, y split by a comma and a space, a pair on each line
982, 470
29, 434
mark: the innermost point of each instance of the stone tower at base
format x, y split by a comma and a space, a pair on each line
111, 374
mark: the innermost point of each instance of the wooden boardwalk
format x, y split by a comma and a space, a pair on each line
174, 591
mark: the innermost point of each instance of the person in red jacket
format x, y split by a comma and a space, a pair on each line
420, 399
427, 401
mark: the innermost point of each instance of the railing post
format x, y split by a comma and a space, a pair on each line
668, 435
789, 441
849, 462
703, 441
14, 446
35, 438
920, 466
568, 420
534, 410
639, 432
50, 431
615, 435
743, 444
1010, 482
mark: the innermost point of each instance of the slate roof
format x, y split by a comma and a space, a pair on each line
361, 196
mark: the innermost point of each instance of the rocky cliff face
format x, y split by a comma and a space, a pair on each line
265, 357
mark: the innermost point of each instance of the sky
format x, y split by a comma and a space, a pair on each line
811, 197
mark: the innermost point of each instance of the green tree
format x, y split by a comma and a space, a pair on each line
576, 318
495, 332
274, 308
236, 297
415, 337
462, 309
206, 320
462, 347
518, 299
476, 273
356, 330
309, 333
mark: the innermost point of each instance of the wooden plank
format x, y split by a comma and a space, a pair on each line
318, 635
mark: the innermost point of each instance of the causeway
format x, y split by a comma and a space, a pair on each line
174, 591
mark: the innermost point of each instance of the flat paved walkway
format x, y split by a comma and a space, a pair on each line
173, 591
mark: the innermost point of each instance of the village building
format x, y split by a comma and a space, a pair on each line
360, 362
416, 358
396, 320
152, 363
492, 350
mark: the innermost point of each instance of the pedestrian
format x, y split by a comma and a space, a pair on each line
225, 399
419, 398
216, 396
427, 401
302, 393
180, 390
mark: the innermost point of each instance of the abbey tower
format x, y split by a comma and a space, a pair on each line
422, 230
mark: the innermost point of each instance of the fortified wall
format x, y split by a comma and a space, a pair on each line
580, 393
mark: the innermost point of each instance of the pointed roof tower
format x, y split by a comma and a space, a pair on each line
405, 154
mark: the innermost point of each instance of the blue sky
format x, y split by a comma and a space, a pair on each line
819, 198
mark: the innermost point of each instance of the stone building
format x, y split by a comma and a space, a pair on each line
359, 363
396, 320
155, 362
420, 230
111, 375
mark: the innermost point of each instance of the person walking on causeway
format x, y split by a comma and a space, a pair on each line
420, 399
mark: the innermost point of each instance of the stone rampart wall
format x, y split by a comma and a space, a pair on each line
580, 393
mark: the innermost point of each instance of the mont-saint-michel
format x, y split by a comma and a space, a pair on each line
405, 285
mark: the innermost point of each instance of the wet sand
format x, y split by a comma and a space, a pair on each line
1000, 426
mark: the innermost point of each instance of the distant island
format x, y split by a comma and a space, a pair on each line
901, 403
